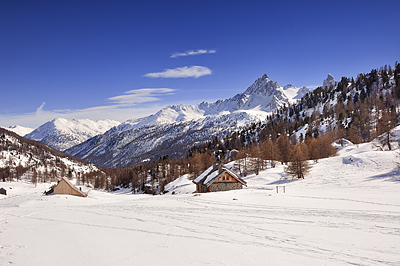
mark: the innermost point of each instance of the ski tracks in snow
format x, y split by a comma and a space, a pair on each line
311, 227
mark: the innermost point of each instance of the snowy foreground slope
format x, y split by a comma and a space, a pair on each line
346, 212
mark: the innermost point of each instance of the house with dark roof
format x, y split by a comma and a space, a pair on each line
218, 178
64, 186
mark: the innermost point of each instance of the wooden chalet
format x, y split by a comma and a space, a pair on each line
64, 186
218, 178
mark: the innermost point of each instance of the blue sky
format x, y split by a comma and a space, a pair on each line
127, 59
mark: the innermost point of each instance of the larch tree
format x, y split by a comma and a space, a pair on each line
268, 152
384, 130
256, 163
298, 166
284, 147
34, 178
352, 134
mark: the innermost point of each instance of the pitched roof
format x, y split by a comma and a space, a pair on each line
203, 175
73, 187
212, 173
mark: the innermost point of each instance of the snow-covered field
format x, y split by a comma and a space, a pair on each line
346, 212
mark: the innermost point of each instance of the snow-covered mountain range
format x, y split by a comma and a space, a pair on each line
174, 129
62, 133
260, 99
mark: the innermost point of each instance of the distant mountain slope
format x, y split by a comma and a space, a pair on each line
62, 133
174, 129
20, 130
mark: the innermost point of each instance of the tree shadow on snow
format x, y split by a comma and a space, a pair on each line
283, 181
392, 176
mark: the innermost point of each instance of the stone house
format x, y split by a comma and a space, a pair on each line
218, 178
64, 186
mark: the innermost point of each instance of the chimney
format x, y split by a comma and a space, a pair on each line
214, 164
219, 168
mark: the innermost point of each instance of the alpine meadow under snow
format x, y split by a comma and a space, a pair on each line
346, 211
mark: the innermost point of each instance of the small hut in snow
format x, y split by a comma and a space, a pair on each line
64, 186
218, 178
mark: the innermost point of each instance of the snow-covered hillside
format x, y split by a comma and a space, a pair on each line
62, 133
346, 212
20, 130
22, 156
174, 129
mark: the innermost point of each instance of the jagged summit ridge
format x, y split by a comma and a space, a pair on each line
261, 98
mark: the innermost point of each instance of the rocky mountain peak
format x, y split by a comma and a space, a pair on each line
288, 86
330, 80
303, 91
262, 86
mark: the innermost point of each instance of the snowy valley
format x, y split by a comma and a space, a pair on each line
199, 133
345, 212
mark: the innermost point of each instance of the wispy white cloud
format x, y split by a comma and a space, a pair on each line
121, 108
140, 96
40, 108
181, 72
192, 52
